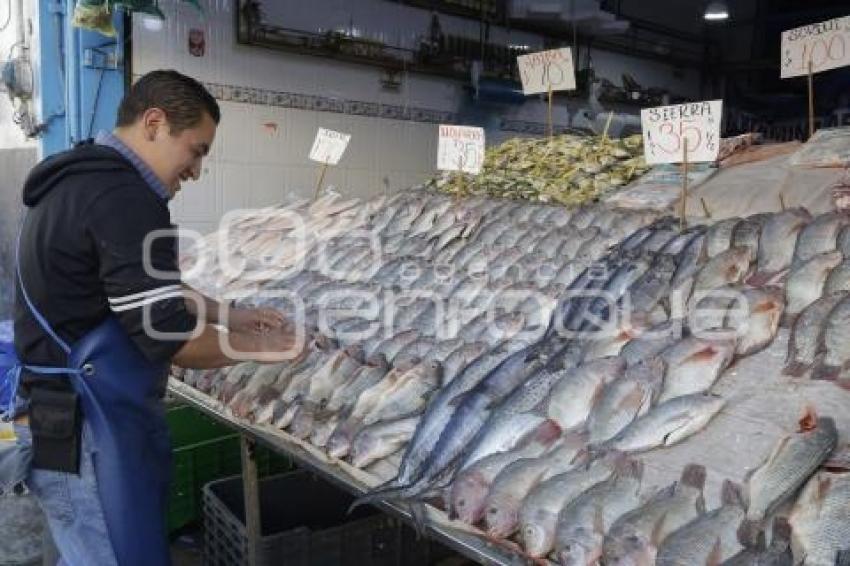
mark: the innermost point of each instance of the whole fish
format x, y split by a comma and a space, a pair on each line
806, 282
820, 520
235, 379
836, 345
668, 423
572, 398
510, 487
243, 402
792, 461
838, 279
633, 539
579, 535
367, 376
819, 236
409, 395
652, 342
625, 399
689, 261
694, 364
379, 440
757, 330
778, 240
719, 236
806, 340
725, 268
710, 538
469, 489
655, 284
538, 515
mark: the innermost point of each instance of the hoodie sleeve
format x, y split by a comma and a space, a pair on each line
136, 245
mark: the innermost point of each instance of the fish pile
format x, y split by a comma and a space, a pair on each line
515, 359
566, 169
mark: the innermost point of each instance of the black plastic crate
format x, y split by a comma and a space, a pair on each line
305, 522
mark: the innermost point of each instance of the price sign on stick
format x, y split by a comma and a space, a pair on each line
329, 146
460, 148
547, 70
667, 128
826, 45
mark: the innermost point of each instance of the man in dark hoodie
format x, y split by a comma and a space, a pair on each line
112, 316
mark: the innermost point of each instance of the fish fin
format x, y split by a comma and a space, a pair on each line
824, 372
419, 514
597, 394
781, 530
751, 534
599, 520
700, 504
629, 468
843, 384
546, 432
713, 558
389, 490
694, 476
657, 535
842, 557
759, 279
795, 369
809, 420
704, 355
766, 306
730, 494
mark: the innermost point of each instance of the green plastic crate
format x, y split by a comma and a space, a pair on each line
204, 450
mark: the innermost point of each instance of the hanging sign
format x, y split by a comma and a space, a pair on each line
460, 148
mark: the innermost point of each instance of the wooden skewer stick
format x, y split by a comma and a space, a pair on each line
319, 184
551, 127
811, 102
683, 223
782, 201
607, 125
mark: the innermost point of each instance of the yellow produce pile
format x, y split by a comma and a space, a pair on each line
566, 169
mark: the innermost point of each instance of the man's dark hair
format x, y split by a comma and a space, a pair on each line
183, 99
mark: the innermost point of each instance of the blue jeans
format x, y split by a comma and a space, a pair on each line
70, 502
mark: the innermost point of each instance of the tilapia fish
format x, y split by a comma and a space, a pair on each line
789, 465
510, 487
710, 538
777, 243
633, 539
380, 440
695, 364
579, 535
820, 520
538, 515
835, 342
724, 269
719, 236
806, 340
757, 330
806, 282
777, 554
819, 236
625, 399
470, 487
668, 423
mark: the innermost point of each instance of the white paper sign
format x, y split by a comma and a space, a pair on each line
826, 44
665, 129
329, 146
460, 148
538, 71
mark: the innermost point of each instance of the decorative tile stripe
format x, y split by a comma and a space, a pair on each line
263, 97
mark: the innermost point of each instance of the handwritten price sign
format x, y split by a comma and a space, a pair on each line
460, 148
554, 68
666, 128
329, 146
825, 44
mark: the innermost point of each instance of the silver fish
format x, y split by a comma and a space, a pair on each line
579, 535
694, 364
806, 340
633, 539
719, 236
820, 520
806, 282
571, 399
789, 465
837, 357
819, 236
710, 538
668, 423
380, 440
779, 238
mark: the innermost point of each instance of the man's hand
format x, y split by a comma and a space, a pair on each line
255, 321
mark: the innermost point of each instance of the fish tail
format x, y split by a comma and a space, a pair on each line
390, 490
751, 534
795, 369
825, 372
787, 319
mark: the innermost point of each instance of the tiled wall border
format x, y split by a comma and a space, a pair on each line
263, 97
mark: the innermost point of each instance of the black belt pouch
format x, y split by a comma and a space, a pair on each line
56, 425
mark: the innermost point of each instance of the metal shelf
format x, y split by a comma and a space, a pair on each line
454, 535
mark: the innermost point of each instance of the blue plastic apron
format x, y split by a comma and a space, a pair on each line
121, 397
